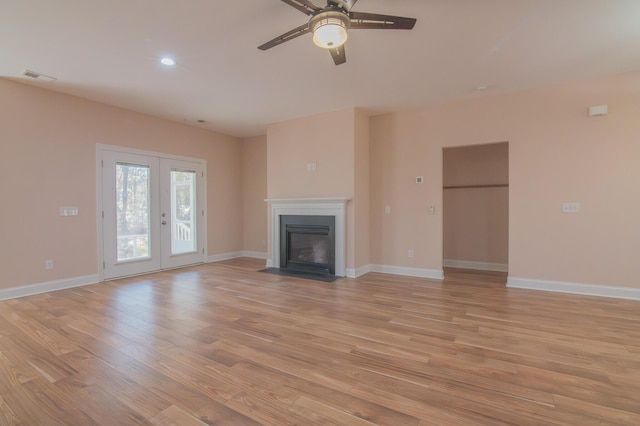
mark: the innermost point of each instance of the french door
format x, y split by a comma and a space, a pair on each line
152, 213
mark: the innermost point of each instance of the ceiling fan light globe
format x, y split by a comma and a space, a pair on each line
330, 35
329, 28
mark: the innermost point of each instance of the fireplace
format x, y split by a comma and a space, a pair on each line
307, 243
333, 208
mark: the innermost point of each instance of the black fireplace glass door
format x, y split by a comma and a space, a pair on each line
307, 243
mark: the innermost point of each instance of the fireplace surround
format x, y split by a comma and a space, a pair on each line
328, 207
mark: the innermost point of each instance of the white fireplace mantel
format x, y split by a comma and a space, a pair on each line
335, 206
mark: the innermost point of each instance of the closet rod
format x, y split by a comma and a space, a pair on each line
497, 185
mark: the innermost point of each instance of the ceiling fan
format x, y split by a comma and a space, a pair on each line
329, 25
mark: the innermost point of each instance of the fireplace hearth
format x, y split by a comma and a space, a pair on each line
307, 244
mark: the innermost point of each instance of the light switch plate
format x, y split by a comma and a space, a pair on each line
68, 211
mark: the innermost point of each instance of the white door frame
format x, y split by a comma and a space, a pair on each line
100, 151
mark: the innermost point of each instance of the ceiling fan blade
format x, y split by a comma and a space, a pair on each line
304, 6
339, 55
296, 32
362, 20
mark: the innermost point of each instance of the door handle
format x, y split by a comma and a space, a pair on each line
164, 222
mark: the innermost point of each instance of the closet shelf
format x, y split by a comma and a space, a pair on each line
497, 185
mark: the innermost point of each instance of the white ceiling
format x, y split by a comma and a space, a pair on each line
108, 51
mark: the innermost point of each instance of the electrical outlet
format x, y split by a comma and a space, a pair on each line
570, 207
387, 209
432, 209
48, 264
410, 253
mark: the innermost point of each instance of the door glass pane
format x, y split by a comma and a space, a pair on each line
183, 210
132, 212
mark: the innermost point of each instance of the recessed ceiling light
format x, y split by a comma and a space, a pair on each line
167, 61
481, 87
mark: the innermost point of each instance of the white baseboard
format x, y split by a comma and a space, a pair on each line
29, 290
575, 288
433, 274
223, 256
254, 254
358, 272
470, 264
269, 263
235, 255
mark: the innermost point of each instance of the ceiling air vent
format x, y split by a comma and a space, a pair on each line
38, 76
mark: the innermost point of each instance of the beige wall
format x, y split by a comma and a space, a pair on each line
254, 192
361, 190
476, 165
476, 220
326, 140
338, 143
557, 154
400, 152
47, 160
476, 225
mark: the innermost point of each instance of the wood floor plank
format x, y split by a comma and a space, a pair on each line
14, 370
339, 400
7, 416
94, 372
175, 416
191, 376
263, 411
597, 412
44, 336
39, 402
31, 360
101, 406
318, 412
225, 344
195, 402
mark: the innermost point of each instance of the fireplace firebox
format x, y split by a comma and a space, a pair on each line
307, 243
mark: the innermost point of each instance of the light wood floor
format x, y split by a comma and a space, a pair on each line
224, 344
